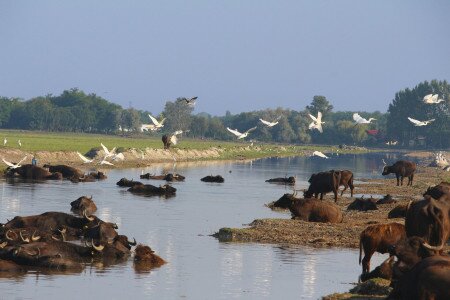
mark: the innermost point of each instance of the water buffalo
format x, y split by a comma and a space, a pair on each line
285, 201
166, 177
104, 232
384, 270
211, 178
144, 253
10, 267
436, 192
33, 172
284, 180
66, 171
362, 204
16, 236
346, 181
401, 169
83, 205
429, 219
123, 182
398, 212
429, 279
378, 238
151, 190
166, 141
322, 183
386, 200
313, 210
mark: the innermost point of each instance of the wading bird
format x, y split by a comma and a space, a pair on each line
432, 99
240, 135
12, 165
391, 143
270, 124
317, 122
320, 154
420, 123
84, 158
157, 124
360, 120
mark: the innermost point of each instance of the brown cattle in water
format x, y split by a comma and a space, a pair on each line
378, 238
144, 253
83, 205
66, 171
322, 183
401, 169
34, 172
283, 180
123, 182
151, 190
210, 178
429, 219
313, 210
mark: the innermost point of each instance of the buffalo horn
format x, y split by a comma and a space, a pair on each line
132, 243
63, 230
26, 240
90, 218
3, 245
35, 238
114, 225
434, 248
7, 235
38, 253
98, 248
55, 238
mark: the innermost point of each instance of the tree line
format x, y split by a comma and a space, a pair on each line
75, 111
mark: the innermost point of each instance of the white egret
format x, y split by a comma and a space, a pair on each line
360, 120
173, 137
84, 158
147, 127
240, 135
317, 122
105, 162
157, 124
432, 99
20, 144
118, 156
420, 123
391, 143
14, 165
107, 152
269, 124
5, 141
320, 154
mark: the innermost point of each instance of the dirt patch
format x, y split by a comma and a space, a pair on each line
345, 234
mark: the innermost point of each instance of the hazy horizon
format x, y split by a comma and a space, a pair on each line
235, 56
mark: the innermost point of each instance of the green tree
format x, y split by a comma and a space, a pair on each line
178, 115
320, 103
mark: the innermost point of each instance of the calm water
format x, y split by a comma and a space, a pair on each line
178, 229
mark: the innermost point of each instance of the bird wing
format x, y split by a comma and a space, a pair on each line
434, 98
21, 160
234, 131
312, 117
431, 120
104, 148
154, 120
414, 121
319, 117
173, 139
119, 156
312, 125
265, 122
177, 132
84, 158
319, 127
357, 118
318, 153
427, 98
250, 130
105, 162
8, 163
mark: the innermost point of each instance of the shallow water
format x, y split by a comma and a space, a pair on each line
179, 229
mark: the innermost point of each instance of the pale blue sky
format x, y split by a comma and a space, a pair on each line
233, 55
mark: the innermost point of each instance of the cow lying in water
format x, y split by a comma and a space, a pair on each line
66, 171
33, 172
284, 180
210, 178
123, 182
166, 177
83, 205
401, 169
91, 177
151, 190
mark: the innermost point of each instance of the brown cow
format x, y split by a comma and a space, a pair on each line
145, 253
313, 210
384, 270
399, 211
346, 181
34, 172
66, 171
378, 238
429, 219
401, 169
439, 190
362, 204
83, 205
322, 183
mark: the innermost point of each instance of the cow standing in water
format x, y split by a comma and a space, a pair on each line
401, 169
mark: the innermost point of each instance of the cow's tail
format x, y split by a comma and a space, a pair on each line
360, 250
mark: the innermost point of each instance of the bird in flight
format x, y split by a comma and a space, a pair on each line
14, 165
432, 99
360, 120
317, 122
84, 158
105, 162
270, 124
420, 123
107, 152
157, 124
320, 154
190, 101
240, 135
173, 137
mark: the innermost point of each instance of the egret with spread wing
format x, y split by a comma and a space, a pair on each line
240, 135
432, 99
157, 124
269, 124
190, 101
107, 152
360, 120
317, 122
84, 158
14, 165
420, 123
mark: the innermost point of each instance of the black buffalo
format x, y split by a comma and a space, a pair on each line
401, 169
322, 183
211, 178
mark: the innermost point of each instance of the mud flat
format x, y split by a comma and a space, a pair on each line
345, 234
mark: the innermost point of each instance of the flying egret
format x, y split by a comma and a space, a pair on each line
240, 135
173, 137
420, 123
107, 152
5, 141
12, 165
391, 143
269, 124
320, 154
118, 156
147, 127
84, 158
432, 99
105, 162
157, 124
317, 122
360, 120
190, 101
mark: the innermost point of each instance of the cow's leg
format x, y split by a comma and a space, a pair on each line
410, 181
316, 195
352, 187
321, 196
345, 188
366, 261
401, 180
398, 179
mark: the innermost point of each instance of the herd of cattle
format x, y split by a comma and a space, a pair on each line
421, 269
